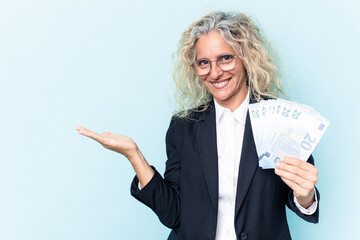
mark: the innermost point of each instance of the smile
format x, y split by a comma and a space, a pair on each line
221, 84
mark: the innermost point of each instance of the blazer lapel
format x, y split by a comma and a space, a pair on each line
206, 141
248, 165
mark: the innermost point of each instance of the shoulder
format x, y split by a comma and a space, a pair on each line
193, 117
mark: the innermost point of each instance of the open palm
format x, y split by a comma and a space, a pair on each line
115, 142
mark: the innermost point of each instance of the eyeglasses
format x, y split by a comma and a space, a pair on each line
224, 62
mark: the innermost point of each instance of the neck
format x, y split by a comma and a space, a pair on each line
235, 101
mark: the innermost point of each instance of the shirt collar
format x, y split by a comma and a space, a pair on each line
239, 114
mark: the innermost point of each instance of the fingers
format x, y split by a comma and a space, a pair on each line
298, 191
106, 134
299, 180
299, 163
88, 133
298, 175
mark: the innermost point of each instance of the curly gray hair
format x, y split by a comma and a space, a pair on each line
262, 71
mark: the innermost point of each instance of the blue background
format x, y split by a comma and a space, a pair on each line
107, 65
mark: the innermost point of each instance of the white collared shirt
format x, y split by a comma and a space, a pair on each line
230, 128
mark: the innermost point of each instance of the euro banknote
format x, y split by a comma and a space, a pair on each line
284, 128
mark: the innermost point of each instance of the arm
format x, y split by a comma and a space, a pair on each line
162, 195
125, 146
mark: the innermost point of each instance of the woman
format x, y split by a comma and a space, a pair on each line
212, 187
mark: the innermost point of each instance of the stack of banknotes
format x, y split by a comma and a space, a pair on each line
284, 128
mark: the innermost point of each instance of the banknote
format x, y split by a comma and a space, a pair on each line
285, 128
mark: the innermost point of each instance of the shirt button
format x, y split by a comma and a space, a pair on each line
243, 235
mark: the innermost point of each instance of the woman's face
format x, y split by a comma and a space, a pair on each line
227, 87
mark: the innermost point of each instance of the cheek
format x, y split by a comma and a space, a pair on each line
241, 72
206, 84
240, 76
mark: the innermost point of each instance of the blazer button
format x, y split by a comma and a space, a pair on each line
243, 235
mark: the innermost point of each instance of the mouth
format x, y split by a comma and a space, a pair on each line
220, 84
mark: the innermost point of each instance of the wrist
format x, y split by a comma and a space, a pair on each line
306, 201
134, 155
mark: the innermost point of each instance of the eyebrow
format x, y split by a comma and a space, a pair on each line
196, 59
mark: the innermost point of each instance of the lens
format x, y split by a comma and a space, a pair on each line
202, 71
227, 66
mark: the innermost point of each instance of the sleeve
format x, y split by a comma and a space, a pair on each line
162, 195
313, 218
311, 209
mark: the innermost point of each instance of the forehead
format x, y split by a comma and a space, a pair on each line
212, 45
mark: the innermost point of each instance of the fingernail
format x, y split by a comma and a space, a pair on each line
277, 165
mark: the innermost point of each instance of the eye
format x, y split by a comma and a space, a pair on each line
226, 58
202, 62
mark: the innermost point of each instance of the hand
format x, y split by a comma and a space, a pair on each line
116, 142
127, 147
300, 176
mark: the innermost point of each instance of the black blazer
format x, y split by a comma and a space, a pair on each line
186, 199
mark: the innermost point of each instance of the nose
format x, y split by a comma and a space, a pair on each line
215, 71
